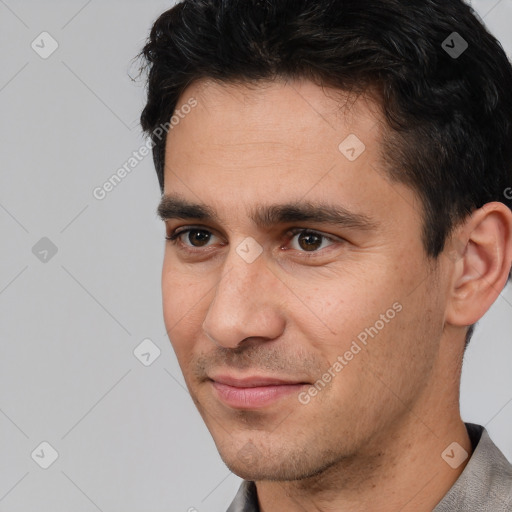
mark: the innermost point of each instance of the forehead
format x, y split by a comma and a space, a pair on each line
289, 126
280, 142
266, 107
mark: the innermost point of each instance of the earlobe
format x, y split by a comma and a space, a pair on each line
484, 248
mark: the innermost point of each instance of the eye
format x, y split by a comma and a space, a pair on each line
305, 240
301, 240
195, 237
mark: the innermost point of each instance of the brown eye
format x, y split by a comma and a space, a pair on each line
198, 237
309, 241
191, 237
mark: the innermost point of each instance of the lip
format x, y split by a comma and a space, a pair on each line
253, 392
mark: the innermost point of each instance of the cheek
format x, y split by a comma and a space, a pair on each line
371, 320
400, 358
183, 301
341, 306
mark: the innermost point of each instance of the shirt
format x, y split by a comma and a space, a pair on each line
485, 485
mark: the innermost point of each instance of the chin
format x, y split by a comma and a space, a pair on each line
248, 463
258, 473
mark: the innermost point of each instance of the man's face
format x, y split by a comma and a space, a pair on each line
267, 293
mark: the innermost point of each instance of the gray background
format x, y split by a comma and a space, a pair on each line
128, 437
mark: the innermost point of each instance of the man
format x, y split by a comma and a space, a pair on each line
336, 193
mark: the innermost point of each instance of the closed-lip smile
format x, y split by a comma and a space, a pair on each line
253, 392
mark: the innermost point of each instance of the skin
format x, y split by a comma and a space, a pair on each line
372, 438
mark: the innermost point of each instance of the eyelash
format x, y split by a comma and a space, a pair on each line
174, 238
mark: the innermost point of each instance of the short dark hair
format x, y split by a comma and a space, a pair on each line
448, 116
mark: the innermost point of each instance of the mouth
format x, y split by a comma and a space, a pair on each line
253, 392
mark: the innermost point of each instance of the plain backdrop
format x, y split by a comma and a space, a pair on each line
80, 281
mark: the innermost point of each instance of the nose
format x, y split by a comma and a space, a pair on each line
246, 304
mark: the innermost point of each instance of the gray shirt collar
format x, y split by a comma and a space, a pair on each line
485, 485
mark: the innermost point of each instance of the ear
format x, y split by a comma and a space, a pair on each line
483, 245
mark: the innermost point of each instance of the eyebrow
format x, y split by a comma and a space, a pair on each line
266, 216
